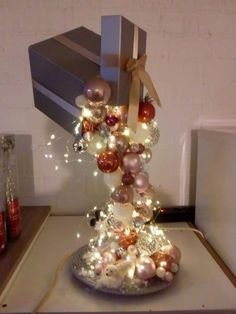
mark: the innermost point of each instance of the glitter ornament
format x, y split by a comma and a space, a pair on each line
88, 126
153, 136
97, 91
94, 114
80, 145
108, 161
127, 238
146, 111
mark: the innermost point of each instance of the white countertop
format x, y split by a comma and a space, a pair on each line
199, 286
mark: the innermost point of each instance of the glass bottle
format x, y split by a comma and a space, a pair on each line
3, 231
13, 214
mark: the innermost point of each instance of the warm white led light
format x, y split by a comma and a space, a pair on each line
56, 167
95, 173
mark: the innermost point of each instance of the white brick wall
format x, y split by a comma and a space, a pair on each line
192, 59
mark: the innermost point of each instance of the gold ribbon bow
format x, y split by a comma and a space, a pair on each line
139, 74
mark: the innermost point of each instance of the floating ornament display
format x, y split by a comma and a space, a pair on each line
130, 251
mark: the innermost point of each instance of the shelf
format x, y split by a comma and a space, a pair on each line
32, 220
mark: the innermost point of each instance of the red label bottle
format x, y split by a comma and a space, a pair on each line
3, 233
13, 216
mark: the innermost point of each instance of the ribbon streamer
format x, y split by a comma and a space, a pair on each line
139, 75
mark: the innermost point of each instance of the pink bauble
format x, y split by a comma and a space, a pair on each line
145, 268
132, 163
173, 251
141, 182
98, 267
97, 91
123, 194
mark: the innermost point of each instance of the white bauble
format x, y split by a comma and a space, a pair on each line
96, 145
123, 212
113, 179
142, 133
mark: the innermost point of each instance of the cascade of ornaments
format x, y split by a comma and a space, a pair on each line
129, 249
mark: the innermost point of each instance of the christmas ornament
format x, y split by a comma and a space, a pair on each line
94, 114
113, 179
80, 145
132, 163
173, 251
121, 143
146, 155
146, 111
123, 194
111, 120
153, 136
96, 145
127, 238
127, 178
108, 161
97, 91
144, 211
141, 182
145, 268
88, 126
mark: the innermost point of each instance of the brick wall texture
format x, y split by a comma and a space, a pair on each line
191, 57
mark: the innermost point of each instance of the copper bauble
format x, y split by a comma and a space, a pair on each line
173, 251
127, 238
146, 112
108, 161
163, 260
88, 126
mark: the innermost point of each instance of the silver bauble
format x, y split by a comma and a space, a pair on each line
80, 145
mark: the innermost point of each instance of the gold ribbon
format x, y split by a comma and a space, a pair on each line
139, 75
